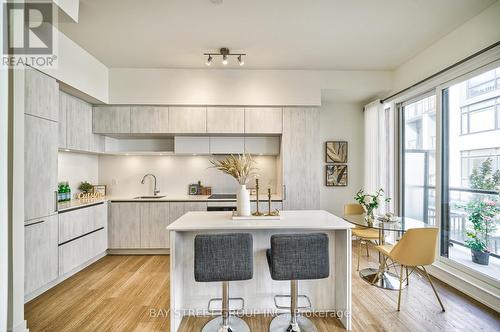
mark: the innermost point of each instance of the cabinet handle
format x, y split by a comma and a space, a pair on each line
56, 207
284, 192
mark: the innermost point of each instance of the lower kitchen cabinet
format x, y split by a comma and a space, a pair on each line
142, 225
78, 251
41, 253
264, 206
78, 222
125, 225
155, 217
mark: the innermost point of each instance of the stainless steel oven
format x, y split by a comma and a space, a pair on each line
221, 206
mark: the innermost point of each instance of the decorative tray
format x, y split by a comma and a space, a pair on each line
252, 217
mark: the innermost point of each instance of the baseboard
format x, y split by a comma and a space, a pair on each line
138, 251
466, 284
61, 278
21, 327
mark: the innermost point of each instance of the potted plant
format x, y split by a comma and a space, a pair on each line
85, 187
370, 202
241, 168
482, 213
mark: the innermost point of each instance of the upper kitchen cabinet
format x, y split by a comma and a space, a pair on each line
149, 119
225, 120
263, 145
263, 120
41, 95
75, 125
111, 119
40, 167
301, 158
187, 120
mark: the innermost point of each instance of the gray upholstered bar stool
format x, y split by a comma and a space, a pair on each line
297, 257
224, 258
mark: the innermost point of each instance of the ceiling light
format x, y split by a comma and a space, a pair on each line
224, 52
240, 60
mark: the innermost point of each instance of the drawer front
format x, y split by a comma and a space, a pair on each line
75, 253
73, 224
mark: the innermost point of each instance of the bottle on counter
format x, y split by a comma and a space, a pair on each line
67, 192
60, 192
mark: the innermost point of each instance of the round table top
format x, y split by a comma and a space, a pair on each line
402, 223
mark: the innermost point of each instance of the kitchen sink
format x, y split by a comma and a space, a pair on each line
149, 197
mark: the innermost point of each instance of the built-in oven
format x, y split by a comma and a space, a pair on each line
221, 206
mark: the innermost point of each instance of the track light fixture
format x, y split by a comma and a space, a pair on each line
209, 60
225, 53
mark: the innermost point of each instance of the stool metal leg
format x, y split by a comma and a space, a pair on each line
292, 322
225, 322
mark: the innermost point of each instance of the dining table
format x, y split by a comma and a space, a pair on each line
398, 225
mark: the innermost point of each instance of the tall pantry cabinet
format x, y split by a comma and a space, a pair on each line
41, 110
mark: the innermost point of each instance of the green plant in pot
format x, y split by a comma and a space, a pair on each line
482, 213
85, 187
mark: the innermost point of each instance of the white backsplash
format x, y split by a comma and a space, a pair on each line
123, 174
77, 167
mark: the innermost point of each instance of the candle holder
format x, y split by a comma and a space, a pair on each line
269, 212
257, 213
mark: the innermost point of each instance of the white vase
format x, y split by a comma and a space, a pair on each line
243, 201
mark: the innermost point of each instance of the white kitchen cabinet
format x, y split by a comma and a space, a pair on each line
191, 145
263, 120
77, 252
155, 217
125, 225
111, 119
62, 120
226, 120
149, 120
266, 145
41, 253
194, 206
301, 158
79, 125
177, 210
227, 145
78, 222
187, 120
40, 167
41, 97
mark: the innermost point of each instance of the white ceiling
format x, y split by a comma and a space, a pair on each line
278, 34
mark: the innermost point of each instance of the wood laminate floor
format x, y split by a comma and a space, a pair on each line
131, 293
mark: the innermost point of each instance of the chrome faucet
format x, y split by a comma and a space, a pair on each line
155, 190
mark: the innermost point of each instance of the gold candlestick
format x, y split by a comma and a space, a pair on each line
271, 213
257, 213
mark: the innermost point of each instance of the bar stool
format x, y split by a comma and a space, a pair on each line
297, 257
224, 258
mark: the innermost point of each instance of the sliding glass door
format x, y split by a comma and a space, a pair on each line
418, 174
470, 173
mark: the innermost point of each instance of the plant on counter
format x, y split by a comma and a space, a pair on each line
242, 169
85, 187
370, 202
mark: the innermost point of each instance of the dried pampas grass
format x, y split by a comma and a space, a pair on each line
240, 167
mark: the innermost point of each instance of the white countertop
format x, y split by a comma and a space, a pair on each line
303, 219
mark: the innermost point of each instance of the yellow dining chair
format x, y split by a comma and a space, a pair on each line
417, 247
365, 235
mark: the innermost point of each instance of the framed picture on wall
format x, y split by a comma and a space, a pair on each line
100, 189
336, 152
336, 175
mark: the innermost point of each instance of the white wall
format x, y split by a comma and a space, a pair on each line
77, 167
479, 32
123, 174
237, 87
4, 203
79, 69
342, 121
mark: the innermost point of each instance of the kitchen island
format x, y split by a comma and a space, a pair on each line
188, 297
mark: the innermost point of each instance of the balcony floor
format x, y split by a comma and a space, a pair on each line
462, 255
